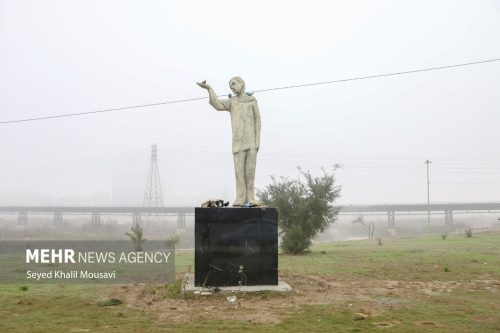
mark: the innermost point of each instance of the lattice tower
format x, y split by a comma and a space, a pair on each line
153, 196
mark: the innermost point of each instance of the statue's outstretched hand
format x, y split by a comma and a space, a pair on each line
204, 84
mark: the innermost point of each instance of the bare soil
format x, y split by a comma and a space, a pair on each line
365, 298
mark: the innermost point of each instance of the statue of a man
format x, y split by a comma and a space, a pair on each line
245, 123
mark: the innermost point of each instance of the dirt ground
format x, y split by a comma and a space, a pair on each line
365, 298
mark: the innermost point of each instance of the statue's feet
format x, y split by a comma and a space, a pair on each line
238, 203
253, 203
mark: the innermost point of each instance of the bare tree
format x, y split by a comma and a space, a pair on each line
370, 226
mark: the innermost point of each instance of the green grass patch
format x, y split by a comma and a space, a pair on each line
469, 307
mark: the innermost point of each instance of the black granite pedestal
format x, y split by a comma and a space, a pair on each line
236, 246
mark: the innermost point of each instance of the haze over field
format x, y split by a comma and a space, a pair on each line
62, 57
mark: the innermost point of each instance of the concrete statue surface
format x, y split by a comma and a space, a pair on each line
245, 124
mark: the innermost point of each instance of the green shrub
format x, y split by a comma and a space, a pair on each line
304, 206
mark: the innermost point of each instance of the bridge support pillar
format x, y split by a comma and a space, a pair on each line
22, 218
57, 218
448, 218
136, 218
96, 218
391, 221
181, 220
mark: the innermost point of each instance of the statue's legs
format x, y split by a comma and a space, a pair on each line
250, 164
239, 171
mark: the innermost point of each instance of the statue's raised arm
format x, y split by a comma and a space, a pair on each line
219, 105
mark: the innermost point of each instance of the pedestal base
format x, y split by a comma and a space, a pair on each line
236, 246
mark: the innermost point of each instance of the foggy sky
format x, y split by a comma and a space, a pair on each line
61, 57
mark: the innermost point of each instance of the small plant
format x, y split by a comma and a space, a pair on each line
444, 236
173, 290
204, 284
172, 241
446, 269
468, 232
136, 237
379, 240
323, 252
242, 281
23, 288
243, 277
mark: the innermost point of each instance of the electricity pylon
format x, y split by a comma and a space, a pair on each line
153, 196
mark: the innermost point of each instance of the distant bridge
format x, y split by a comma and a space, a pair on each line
181, 212
417, 209
96, 212
423, 207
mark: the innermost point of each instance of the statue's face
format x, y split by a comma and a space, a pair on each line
236, 86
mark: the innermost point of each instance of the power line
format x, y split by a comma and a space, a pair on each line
101, 111
261, 90
382, 75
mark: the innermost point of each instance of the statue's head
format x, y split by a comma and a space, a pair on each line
237, 85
